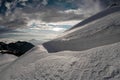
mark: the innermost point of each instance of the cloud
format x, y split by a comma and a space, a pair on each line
8, 30
55, 13
84, 9
3, 30
20, 22
56, 16
52, 15
9, 26
18, 13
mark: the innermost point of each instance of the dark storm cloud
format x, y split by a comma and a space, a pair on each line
7, 30
55, 16
59, 10
2, 30
16, 13
13, 23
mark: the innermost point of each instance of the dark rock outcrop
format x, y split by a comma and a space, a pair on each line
17, 48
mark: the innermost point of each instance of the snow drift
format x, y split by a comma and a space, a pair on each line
6, 59
101, 63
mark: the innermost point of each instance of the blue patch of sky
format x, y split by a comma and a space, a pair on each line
62, 3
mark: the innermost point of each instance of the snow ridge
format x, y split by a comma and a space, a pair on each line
101, 63
100, 32
97, 16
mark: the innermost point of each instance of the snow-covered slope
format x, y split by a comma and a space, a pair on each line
6, 59
101, 63
90, 52
28, 58
97, 16
103, 31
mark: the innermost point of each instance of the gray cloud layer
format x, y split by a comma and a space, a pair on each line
18, 12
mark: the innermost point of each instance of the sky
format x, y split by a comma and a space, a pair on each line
44, 19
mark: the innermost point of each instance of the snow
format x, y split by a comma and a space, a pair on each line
100, 32
101, 63
29, 58
6, 59
90, 52
97, 16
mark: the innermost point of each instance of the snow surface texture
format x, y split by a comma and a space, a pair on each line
103, 31
6, 59
90, 52
102, 63
97, 16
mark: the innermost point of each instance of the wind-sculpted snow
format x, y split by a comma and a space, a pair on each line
97, 16
103, 31
6, 59
101, 63
30, 57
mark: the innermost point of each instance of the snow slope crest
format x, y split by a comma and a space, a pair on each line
101, 63
103, 31
97, 16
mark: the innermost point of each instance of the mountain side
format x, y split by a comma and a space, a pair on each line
103, 31
97, 16
101, 63
36, 53
15, 48
5, 60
